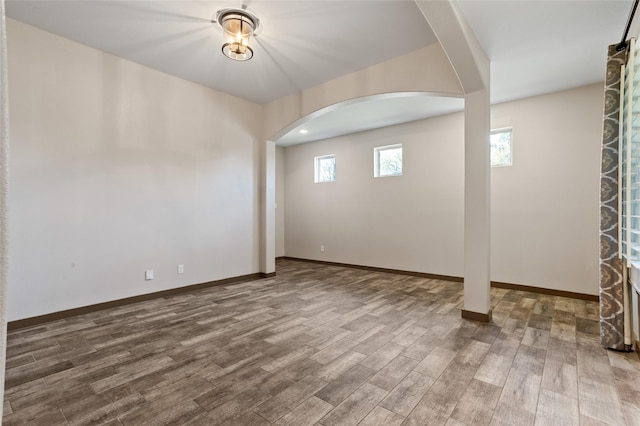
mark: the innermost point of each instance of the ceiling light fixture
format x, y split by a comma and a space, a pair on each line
238, 26
304, 131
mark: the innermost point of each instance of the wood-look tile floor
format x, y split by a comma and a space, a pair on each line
323, 345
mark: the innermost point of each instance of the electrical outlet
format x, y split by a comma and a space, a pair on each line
181, 269
148, 274
322, 249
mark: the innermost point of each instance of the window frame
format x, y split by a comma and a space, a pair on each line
629, 162
376, 160
316, 168
498, 131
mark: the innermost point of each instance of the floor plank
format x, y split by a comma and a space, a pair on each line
323, 345
355, 408
557, 409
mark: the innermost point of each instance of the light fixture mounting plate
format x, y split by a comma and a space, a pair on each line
220, 15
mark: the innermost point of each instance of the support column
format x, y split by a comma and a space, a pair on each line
477, 207
4, 197
268, 210
471, 64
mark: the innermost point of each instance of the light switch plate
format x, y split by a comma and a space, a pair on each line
148, 274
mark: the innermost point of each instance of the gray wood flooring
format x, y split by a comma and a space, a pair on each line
323, 345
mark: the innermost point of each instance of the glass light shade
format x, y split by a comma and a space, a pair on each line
237, 30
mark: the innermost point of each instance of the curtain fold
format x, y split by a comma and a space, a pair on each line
612, 276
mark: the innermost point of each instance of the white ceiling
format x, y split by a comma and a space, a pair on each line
535, 47
300, 44
379, 111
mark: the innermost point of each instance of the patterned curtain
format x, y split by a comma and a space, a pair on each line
611, 266
4, 162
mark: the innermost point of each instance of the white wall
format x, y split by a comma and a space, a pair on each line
544, 207
424, 70
280, 203
411, 222
117, 168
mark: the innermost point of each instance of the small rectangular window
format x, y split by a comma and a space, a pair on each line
501, 153
325, 168
387, 160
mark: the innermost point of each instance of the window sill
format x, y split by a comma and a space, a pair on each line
636, 286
